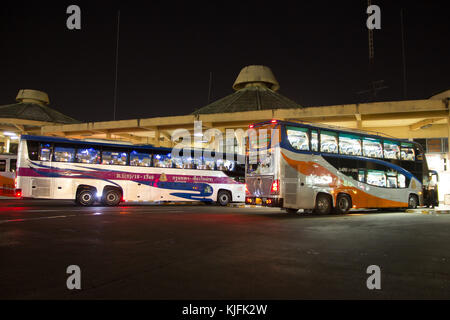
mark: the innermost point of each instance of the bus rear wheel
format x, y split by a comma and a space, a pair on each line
291, 210
223, 198
343, 204
111, 197
85, 197
412, 201
323, 204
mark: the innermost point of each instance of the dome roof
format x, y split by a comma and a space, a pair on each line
256, 76
33, 106
256, 88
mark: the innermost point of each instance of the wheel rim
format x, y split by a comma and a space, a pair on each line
223, 198
322, 204
412, 202
343, 203
111, 197
86, 197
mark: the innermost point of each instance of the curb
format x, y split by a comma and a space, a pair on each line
427, 211
236, 205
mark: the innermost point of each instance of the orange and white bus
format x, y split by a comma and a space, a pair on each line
7, 174
327, 169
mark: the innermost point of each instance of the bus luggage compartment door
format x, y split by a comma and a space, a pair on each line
40, 188
298, 193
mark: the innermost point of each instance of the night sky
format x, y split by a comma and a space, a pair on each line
317, 50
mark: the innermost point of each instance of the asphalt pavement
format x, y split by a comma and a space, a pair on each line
212, 252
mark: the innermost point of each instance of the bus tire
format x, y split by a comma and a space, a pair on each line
223, 197
343, 204
291, 210
412, 201
323, 204
86, 197
111, 197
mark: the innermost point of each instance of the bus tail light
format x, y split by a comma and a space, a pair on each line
274, 121
275, 187
18, 193
246, 189
251, 126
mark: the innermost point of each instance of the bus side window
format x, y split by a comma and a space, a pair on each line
114, 157
209, 163
391, 179
140, 159
349, 144
13, 165
407, 153
88, 155
162, 160
177, 162
372, 148
401, 181
361, 176
391, 150
45, 152
2, 165
62, 154
376, 178
33, 150
199, 163
225, 165
298, 138
328, 142
188, 162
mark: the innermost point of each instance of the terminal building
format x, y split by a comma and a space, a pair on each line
256, 97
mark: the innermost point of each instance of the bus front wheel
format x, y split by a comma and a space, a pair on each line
223, 198
323, 204
412, 201
86, 197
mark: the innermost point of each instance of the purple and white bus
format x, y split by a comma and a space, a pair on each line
109, 173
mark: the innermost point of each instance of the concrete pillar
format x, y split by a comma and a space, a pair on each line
157, 137
358, 121
448, 138
7, 144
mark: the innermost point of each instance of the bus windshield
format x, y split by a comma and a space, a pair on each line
260, 151
261, 163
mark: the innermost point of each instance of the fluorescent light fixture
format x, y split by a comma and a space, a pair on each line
11, 134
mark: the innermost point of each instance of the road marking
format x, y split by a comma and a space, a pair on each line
37, 218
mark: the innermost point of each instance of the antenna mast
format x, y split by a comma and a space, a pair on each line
117, 63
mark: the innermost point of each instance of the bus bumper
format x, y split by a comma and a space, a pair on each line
266, 202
